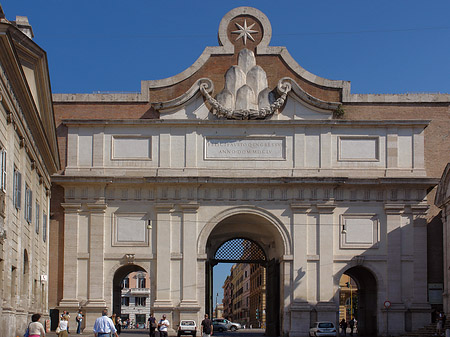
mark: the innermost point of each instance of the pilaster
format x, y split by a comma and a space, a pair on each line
326, 251
394, 267
189, 286
71, 211
96, 297
163, 224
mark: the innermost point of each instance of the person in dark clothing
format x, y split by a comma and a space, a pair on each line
206, 327
343, 325
352, 325
152, 325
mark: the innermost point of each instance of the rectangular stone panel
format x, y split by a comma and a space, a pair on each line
358, 149
245, 149
359, 231
130, 230
131, 148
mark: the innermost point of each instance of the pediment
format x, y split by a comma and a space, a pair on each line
245, 78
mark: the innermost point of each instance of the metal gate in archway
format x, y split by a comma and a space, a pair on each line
243, 250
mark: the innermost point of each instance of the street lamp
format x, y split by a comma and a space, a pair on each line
349, 285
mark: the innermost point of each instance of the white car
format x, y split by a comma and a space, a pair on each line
187, 327
323, 329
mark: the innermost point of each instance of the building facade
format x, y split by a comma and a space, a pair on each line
248, 144
28, 156
135, 301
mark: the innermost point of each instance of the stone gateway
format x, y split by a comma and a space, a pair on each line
246, 144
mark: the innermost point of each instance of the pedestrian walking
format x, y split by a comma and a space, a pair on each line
79, 319
64, 326
163, 325
352, 325
343, 325
35, 328
206, 327
152, 325
104, 326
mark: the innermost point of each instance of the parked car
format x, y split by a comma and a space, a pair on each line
222, 324
187, 327
323, 329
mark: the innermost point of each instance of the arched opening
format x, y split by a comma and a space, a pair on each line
131, 295
254, 243
362, 288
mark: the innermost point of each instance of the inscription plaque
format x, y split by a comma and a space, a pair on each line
245, 148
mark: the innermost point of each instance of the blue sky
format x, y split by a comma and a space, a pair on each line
394, 46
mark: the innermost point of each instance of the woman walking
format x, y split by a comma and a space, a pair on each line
64, 326
36, 329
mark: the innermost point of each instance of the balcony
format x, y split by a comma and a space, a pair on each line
138, 291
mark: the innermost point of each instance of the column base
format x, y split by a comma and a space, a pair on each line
189, 305
327, 311
300, 318
69, 303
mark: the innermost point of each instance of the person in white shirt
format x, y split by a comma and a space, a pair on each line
36, 329
162, 326
104, 325
64, 326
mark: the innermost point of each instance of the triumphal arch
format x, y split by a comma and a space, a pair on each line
244, 144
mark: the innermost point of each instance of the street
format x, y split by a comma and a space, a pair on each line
144, 332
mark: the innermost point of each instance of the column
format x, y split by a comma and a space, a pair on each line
300, 308
326, 308
394, 267
189, 286
163, 251
420, 308
446, 262
96, 300
69, 300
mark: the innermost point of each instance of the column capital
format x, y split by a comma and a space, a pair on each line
191, 207
394, 209
300, 207
163, 207
420, 209
326, 208
97, 207
70, 207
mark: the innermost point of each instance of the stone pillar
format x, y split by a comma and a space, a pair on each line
189, 300
326, 308
300, 308
420, 309
70, 301
394, 267
189, 307
96, 294
163, 302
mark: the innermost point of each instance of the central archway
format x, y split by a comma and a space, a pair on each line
256, 237
119, 275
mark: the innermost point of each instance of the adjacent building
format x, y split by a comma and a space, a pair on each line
247, 144
135, 302
28, 157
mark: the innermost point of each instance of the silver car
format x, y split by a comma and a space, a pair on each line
323, 329
222, 324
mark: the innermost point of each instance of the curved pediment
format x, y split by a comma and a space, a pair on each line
246, 73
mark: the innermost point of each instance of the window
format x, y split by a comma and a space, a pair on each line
37, 217
126, 282
141, 282
28, 203
44, 227
125, 301
139, 301
3, 169
17, 188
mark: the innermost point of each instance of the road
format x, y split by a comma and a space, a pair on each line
139, 333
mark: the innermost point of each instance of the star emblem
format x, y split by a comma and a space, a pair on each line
245, 32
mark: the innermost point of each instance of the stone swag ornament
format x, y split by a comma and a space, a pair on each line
246, 94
